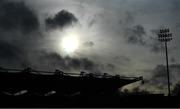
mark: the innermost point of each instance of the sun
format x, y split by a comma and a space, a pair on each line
70, 43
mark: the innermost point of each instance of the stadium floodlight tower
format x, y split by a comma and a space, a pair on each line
165, 36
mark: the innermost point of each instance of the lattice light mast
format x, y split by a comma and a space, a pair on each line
165, 36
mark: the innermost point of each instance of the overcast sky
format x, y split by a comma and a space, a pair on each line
115, 36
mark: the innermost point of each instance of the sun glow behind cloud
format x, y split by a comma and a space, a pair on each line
70, 43
66, 42
105, 25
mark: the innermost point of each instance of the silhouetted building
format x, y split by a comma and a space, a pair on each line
60, 83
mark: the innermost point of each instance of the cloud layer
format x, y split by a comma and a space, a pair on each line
17, 16
116, 36
60, 20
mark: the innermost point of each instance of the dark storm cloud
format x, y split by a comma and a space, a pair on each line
110, 67
19, 32
159, 71
61, 19
16, 15
122, 60
158, 78
135, 35
69, 63
89, 44
159, 75
155, 47
9, 51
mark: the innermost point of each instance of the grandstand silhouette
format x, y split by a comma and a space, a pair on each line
29, 82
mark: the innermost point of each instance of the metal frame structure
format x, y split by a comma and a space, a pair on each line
31, 82
165, 36
30, 70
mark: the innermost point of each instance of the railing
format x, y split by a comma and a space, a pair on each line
58, 72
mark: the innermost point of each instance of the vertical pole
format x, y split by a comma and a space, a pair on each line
167, 65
